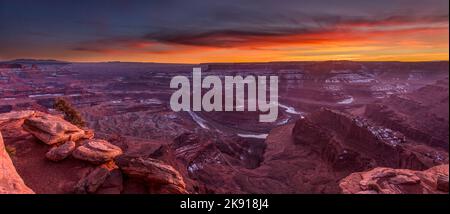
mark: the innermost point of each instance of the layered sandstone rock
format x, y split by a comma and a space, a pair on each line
24, 132
159, 177
442, 183
352, 143
10, 181
421, 115
215, 163
25, 128
61, 152
311, 156
397, 181
15, 115
113, 184
52, 129
97, 151
106, 178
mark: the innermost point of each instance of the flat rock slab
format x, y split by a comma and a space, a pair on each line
61, 152
15, 115
97, 151
52, 129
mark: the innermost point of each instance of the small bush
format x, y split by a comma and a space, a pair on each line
70, 113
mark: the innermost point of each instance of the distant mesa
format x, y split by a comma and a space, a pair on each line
33, 62
13, 65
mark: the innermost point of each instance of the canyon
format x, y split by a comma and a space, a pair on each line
342, 127
254, 96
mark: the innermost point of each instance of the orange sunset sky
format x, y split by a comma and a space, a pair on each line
232, 31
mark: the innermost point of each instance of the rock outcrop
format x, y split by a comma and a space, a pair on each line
52, 129
317, 154
442, 183
218, 164
15, 115
24, 128
85, 165
106, 178
158, 176
61, 152
421, 115
97, 151
352, 143
397, 181
10, 181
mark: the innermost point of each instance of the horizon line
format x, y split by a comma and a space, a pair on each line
223, 62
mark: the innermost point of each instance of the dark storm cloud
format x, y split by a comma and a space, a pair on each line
234, 36
102, 25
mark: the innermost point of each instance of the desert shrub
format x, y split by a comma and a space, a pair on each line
70, 113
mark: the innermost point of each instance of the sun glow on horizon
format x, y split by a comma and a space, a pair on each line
420, 45
357, 33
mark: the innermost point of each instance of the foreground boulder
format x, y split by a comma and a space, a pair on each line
159, 177
61, 152
10, 181
106, 179
52, 129
397, 181
15, 115
97, 151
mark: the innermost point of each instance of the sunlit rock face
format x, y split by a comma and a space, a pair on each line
397, 181
10, 181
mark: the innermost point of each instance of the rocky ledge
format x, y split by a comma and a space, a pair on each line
397, 181
72, 152
10, 181
351, 143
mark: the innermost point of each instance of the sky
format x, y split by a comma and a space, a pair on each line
196, 31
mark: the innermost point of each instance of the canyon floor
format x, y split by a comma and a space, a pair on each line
342, 127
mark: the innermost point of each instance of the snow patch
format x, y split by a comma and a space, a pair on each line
256, 136
346, 101
151, 101
193, 167
44, 95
